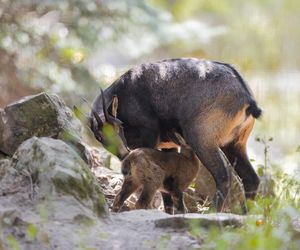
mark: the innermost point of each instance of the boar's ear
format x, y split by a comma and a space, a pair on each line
109, 118
114, 106
106, 115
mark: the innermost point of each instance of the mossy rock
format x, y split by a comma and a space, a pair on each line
56, 169
37, 115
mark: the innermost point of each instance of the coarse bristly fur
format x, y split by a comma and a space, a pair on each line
151, 170
207, 102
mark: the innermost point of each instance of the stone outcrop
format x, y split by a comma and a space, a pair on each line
39, 115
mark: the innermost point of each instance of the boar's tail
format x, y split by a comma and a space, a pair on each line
253, 109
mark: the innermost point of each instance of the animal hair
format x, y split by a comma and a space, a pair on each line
151, 170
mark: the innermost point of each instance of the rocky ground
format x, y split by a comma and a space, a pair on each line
57, 184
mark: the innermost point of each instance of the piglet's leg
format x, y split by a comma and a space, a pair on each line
146, 197
168, 202
128, 187
179, 203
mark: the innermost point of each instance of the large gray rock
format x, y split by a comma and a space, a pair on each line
37, 115
47, 190
203, 220
54, 167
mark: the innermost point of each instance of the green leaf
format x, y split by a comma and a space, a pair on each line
260, 170
13, 243
72, 55
31, 232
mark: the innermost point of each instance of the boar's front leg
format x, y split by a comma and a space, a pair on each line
237, 155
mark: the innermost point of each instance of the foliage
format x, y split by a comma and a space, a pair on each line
279, 210
257, 34
13, 243
275, 230
32, 232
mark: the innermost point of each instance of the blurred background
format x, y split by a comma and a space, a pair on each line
71, 48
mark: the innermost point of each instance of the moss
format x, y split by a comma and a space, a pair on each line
84, 220
83, 188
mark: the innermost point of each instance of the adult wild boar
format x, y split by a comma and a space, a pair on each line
207, 102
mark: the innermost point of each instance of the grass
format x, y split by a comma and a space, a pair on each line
278, 203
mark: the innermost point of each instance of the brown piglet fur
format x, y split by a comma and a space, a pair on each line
169, 171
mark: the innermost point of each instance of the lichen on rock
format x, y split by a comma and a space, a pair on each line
37, 115
55, 167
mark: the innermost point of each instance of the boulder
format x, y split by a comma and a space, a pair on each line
37, 115
203, 220
53, 167
47, 195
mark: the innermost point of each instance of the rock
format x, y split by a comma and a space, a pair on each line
47, 196
9, 217
4, 165
55, 168
37, 115
11, 181
53, 218
110, 182
3, 156
203, 220
139, 231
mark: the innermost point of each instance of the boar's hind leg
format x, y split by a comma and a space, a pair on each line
211, 157
203, 135
237, 155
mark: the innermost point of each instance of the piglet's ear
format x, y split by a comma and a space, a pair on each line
106, 115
